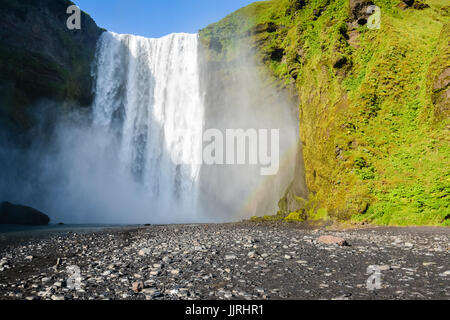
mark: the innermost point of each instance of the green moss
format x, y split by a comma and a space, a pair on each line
374, 127
267, 218
321, 214
295, 217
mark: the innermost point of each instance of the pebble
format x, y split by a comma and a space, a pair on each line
137, 286
175, 272
204, 262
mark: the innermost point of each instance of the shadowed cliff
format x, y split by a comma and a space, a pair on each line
40, 58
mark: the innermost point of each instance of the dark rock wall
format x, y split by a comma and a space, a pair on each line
21, 215
40, 58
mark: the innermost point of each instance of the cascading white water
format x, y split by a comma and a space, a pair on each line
136, 157
148, 96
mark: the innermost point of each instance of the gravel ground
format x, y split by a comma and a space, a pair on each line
230, 261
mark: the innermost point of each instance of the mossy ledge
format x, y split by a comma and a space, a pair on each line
374, 103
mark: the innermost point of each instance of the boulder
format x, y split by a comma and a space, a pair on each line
21, 215
137, 286
333, 240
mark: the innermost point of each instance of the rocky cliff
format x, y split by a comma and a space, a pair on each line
40, 58
21, 215
373, 102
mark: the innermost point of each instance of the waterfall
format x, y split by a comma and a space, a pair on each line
147, 96
136, 155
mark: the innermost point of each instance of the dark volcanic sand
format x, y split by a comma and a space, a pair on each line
230, 261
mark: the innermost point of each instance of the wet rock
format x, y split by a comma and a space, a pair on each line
21, 215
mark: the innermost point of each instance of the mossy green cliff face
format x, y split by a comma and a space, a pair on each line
373, 103
40, 58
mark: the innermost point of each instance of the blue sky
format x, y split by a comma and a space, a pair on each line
157, 18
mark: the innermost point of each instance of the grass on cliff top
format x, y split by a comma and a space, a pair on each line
376, 148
